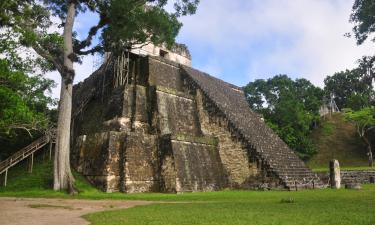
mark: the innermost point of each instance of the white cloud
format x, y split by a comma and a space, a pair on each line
258, 39
301, 38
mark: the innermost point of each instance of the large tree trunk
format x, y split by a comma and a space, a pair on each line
63, 178
369, 151
370, 158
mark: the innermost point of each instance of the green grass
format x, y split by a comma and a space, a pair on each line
309, 207
328, 128
326, 169
225, 207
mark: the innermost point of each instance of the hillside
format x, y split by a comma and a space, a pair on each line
337, 139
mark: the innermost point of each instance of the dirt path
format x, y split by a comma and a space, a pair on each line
39, 211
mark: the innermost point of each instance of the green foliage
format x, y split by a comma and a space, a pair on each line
23, 106
125, 23
357, 101
131, 24
363, 16
24, 93
364, 118
328, 129
289, 107
22, 100
350, 88
122, 24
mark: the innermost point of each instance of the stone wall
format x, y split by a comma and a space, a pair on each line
140, 163
233, 154
164, 73
197, 166
176, 113
275, 156
179, 53
97, 156
161, 133
351, 176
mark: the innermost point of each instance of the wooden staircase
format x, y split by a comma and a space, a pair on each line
27, 152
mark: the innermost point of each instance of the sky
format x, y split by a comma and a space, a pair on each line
239, 41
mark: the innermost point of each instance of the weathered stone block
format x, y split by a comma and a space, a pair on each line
355, 186
174, 129
198, 167
164, 74
98, 158
233, 154
335, 176
140, 163
176, 114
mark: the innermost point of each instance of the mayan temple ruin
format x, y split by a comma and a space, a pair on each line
159, 125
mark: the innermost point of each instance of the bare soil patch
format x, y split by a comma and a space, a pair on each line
40, 211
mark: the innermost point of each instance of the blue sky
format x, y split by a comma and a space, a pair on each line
242, 40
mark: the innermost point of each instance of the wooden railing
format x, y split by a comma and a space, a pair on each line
26, 152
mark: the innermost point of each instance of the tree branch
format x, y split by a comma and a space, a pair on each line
43, 53
23, 127
93, 30
93, 50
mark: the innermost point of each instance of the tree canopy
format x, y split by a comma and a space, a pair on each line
363, 17
364, 119
353, 88
289, 107
122, 24
24, 107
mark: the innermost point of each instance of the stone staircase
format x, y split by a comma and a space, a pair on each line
156, 135
231, 101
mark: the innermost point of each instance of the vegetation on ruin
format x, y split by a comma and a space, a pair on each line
122, 24
335, 138
364, 120
224, 207
291, 107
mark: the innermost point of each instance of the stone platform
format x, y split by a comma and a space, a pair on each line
172, 128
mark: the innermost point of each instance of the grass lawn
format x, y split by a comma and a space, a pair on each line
327, 206
326, 169
252, 207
